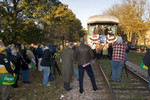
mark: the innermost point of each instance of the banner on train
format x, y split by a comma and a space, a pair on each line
103, 39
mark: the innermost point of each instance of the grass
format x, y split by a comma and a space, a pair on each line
106, 65
35, 90
135, 58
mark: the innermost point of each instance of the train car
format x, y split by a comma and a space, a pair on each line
101, 28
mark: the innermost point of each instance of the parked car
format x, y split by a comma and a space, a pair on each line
148, 48
143, 48
132, 47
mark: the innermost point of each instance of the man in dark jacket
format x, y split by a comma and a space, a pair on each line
96, 30
109, 31
46, 64
103, 30
33, 49
39, 53
84, 55
5, 68
25, 61
17, 62
146, 61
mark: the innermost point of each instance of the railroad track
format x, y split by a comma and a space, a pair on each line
131, 87
103, 92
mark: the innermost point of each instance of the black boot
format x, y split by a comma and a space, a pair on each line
68, 86
81, 91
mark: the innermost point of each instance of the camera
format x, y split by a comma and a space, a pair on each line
53, 49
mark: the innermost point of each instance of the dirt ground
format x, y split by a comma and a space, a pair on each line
35, 90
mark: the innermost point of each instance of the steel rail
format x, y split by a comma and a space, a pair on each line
121, 89
108, 84
145, 81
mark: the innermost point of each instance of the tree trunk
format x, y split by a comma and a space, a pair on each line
140, 38
129, 36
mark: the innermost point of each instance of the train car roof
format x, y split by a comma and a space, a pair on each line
102, 19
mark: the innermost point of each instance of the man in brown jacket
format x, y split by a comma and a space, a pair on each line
84, 55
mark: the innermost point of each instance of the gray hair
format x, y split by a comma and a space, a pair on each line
82, 40
14, 51
119, 40
70, 45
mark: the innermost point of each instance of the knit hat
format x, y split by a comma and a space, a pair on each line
49, 45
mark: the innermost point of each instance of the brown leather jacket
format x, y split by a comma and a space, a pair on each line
83, 54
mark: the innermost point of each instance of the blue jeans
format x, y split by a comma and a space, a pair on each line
46, 72
25, 75
149, 82
116, 69
76, 73
127, 57
149, 77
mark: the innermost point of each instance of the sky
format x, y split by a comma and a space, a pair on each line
83, 9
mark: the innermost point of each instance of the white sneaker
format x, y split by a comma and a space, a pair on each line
48, 85
62, 96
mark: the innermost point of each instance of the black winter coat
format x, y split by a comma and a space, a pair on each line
6, 62
24, 62
146, 58
46, 59
16, 61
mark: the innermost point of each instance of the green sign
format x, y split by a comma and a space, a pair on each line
8, 79
143, 66
32, 65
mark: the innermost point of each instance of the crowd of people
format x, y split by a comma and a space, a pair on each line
21, 57
42, 56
